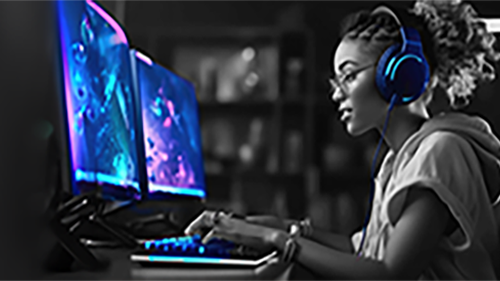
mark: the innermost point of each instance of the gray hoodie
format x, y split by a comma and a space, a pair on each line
478, 133
458, 157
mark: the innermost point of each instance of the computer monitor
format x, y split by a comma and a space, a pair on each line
98, 98
171, 131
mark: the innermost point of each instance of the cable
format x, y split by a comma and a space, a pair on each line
372, 180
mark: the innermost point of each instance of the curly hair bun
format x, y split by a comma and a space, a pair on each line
464, 46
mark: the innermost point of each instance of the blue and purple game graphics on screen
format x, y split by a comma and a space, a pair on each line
172, 138
98, 94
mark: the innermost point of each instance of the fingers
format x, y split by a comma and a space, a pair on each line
256, 219
218, 233
192, 227
211, 234
222, 229
239, 232
205, 220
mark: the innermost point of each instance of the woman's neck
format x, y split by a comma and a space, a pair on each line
401, 125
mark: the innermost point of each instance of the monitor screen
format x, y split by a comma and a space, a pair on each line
172, 139
98, 101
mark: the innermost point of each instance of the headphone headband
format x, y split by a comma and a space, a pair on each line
386, 10
403, 19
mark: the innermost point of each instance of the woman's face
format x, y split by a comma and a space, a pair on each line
361, 107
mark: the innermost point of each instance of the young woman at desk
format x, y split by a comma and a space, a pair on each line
432, 214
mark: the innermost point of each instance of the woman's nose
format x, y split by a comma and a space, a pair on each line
337, 95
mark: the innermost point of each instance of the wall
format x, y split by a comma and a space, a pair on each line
323, 17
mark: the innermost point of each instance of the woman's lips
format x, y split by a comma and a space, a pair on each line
346, 114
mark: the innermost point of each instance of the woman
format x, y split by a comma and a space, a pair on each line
433, 214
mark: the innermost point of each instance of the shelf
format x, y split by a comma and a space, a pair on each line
292, 101
324, 102
297, 105
231, 32
255, 176
332, 182
341, 181
248, 107
284, 101
220, 185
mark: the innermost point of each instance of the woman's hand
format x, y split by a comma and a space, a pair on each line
201, 223
234, 230
270, 221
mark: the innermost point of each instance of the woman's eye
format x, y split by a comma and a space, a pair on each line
350, 77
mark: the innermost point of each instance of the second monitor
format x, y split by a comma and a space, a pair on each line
171, 131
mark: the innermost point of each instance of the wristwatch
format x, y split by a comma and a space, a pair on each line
306, 227
303, 227
291, 246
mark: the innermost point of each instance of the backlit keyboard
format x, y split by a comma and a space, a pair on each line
190, 250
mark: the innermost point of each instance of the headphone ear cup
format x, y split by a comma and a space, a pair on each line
411, 77
385, 88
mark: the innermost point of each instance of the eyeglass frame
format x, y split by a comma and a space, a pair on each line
337, 82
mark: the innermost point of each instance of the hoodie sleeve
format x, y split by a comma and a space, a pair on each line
446, 164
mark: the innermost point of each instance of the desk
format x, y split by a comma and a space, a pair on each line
123, 269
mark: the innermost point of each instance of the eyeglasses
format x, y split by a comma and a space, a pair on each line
338, 82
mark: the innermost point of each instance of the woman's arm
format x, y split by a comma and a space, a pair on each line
407, 254
336, 241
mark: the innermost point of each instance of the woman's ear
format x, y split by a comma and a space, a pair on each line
433, 82
429, 91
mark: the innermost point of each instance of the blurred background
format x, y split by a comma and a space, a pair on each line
271, 137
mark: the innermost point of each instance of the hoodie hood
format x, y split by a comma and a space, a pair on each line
478, 133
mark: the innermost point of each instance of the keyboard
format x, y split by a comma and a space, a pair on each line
190, 250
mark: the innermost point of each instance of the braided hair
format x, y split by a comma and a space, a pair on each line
448, 28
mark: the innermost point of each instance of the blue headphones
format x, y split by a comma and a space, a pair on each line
402, 69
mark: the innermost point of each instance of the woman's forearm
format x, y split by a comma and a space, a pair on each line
337, 241
333, 264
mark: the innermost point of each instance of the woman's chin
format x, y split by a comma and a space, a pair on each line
354, 130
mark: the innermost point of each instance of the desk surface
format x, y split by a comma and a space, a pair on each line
122, 268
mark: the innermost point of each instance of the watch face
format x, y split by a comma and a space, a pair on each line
294, 229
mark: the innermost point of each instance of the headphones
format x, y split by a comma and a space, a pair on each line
402, 76
402, 70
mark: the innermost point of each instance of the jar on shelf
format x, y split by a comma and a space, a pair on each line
293, 152
207, 79
293, 73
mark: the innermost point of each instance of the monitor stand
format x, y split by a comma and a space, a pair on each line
69, 250
158, 217
66, 213
65, 223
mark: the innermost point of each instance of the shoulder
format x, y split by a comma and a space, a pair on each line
442, 142
443, 163
439, 151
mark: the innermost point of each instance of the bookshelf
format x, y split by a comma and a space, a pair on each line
285, 118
